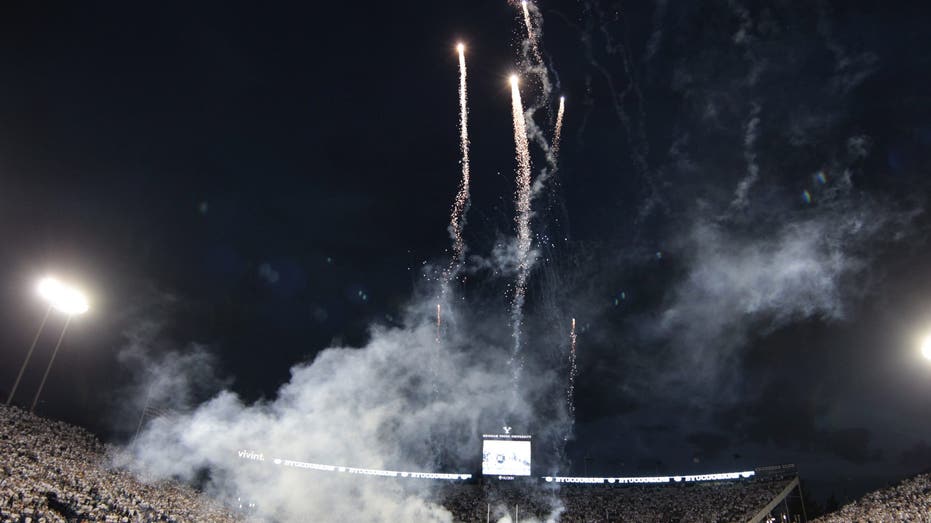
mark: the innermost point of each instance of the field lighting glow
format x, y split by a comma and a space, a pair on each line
926, 347
62, 297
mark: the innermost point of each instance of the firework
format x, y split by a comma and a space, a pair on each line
456, 221
531, 35
557, 135
573, 371
523, 177
522, 219
461, 203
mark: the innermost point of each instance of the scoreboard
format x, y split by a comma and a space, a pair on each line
505, 455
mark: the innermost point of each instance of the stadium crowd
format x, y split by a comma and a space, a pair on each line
907, 501
54, 472
698, 502
51, 471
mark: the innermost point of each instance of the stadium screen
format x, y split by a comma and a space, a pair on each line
505, 455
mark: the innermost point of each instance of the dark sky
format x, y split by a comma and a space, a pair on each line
738, 219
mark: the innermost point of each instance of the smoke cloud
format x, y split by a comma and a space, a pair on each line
372, 407
162, 378
742, 279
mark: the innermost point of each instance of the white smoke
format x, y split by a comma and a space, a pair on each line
268, 274
751, 133
163, 378
373, 407
656, 37
741, 281
849, 70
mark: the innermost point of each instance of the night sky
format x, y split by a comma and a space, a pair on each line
738, 221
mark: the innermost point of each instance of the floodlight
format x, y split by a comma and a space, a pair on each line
62, 297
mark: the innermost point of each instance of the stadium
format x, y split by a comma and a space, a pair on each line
508, 261
56, 472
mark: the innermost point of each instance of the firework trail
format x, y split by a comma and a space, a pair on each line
557, 135
523, 222
533, 64
531, 35
573, 371
461, 204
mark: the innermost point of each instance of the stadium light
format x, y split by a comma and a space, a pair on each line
926, 347
62, 298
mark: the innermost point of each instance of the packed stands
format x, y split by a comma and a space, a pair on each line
907, 501
698, 502
54, 472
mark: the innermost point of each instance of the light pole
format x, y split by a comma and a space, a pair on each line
47, 369
29, 355
63, 299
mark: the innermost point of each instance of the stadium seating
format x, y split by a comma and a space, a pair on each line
55, 472
910, 500
698, 502
51, 471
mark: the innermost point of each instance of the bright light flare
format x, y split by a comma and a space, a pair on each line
460, 47
514, 80
926, 347
62, 297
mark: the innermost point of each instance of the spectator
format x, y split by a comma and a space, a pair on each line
54, 472
722, 501
907, 501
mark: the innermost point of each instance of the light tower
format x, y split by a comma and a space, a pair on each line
62, 298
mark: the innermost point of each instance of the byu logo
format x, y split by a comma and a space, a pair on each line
507, 430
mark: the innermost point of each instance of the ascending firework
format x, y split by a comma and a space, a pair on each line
531, 35
522, 219
573, 371
461, 203
456, 222
557, 135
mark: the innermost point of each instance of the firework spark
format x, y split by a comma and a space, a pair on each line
531, 35
461, 204
522, 219
573, 371
557, 135
523, 176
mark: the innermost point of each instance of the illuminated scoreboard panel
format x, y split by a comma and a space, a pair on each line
506, 455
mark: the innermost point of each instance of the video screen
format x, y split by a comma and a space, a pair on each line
506, 457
